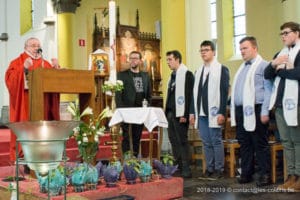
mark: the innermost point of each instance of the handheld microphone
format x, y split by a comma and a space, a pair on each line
39, 51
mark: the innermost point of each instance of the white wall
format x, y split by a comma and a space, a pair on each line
10, 23
3, 51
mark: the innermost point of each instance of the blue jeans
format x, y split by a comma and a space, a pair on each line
213, 145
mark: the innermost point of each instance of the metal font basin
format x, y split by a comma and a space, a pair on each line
43, 142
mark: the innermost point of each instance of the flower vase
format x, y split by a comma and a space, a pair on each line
90, 151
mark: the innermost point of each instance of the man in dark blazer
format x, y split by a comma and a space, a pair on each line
137, 87
210, 100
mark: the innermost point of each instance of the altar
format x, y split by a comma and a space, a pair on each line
151, 117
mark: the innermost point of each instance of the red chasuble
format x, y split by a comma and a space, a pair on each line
19, 99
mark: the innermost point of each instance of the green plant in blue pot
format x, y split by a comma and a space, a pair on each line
131, 169
56, 181
77, 178
111, 173
145, 171
91, 177
166, 166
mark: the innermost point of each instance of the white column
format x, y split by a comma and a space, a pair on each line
112, 40
4, 100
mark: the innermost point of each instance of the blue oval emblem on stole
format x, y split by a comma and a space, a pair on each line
214, 111
180, 100
289, 104
248, 110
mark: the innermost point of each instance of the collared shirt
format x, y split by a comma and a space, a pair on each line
206, 71
263, 87
205, 74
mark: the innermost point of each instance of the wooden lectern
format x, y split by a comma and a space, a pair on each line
59, 81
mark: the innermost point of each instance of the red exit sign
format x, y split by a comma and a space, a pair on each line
81, 42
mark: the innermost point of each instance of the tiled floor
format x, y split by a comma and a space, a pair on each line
229, 189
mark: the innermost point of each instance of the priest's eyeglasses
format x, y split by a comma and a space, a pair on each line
34, 46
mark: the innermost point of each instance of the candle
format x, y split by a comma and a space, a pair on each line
112, 39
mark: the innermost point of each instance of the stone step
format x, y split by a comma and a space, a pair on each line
4, 159
104, 152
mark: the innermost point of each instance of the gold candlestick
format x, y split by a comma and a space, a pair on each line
115, 130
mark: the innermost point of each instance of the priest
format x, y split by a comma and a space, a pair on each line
16, 82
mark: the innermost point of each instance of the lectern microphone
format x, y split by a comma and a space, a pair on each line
40, 51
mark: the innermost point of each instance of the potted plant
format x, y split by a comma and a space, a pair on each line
77, 178
100, 168
56, 182
111, 173
145, 171
91, 177
131, 168
88, 132
166, 166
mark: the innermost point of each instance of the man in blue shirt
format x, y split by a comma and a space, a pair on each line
249, 113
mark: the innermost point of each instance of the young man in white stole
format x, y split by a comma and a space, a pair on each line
250, 114
178, 107
210, 100
284, 70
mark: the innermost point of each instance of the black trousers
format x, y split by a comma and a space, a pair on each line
137, 130
253, 144
178, 136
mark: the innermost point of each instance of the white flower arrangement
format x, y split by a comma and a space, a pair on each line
87, 134
112, 86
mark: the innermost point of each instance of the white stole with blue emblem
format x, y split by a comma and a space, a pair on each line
213, 93
290, 95
180, 90
248, 97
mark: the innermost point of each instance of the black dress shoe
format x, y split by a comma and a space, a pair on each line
263, 181
244, 179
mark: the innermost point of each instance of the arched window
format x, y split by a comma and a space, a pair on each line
213, 19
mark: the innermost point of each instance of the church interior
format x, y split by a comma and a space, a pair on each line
78, 34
